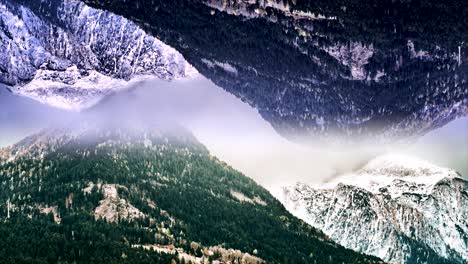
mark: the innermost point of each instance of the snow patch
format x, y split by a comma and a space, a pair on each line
354, 55
243, 198
113, 208
223, 65
226, 255
420, 54
51, 209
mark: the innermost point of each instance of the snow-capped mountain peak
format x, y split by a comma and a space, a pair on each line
395, 174
398, 208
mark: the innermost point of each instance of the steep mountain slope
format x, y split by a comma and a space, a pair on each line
398, 208
89, 194
366, 68
69, 55
323, 67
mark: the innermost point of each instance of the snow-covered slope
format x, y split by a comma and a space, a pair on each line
398, 208
66, 54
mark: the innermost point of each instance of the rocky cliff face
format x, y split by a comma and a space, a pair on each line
402, 210
69, 55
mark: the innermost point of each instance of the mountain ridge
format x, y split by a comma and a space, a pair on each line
153, 190
396, 216
312, 92
69, 55
354, 75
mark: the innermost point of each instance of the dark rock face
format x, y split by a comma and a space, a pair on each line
352, 68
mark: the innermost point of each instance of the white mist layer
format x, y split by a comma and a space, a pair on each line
232, 131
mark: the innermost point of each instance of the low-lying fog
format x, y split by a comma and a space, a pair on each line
232, 131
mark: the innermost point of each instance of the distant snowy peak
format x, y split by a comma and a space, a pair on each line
395, 174
398, 208
396, 164
74, 59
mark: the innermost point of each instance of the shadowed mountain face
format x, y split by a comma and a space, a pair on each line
347, 68
385, 68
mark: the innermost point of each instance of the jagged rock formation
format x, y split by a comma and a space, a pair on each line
69, 55
397, 208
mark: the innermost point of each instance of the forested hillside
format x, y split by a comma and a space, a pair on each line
317, 68
109, 195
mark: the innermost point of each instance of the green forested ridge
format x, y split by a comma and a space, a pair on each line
185, 194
